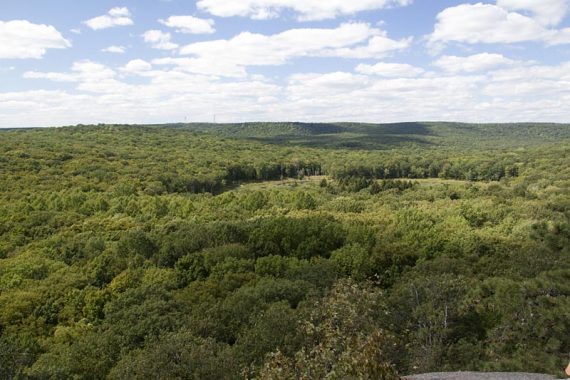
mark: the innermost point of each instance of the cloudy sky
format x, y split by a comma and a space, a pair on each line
148, 61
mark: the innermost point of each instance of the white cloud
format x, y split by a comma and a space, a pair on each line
20, 39
114, 49
377, 47
520, 92
309, 86
350, 40
522, 73
137, 66
80, 71
510, 96
119, 12
484, 23
190, 24
202, 66
163, 95
92, 71
305, 9
472, 63
546, 12
213, 77
159, 40
56, 77
115, 17
560, 37
393, 70
488, 23
531, 83
90, 76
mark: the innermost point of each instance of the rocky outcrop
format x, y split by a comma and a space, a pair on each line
479, 376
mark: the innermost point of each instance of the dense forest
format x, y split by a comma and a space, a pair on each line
284, 250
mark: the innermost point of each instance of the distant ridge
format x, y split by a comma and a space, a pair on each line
384, 136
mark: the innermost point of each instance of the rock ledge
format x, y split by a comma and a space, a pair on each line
480, 376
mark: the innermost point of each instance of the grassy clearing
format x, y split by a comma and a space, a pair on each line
315, 180
284, 183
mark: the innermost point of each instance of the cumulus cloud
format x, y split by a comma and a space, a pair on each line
190, 24
520, 93
90, 76
164, 95
472, 63
305, 9
488, 23
202, 66
525, 73
84, 70
114, 49
383, 92
382, 99
310, 86
136, 66
525, 84
213, 77
394, 70
377, 47
559, 37
20, 39
53, 76
349, 40
159, 40
118, 16
546, 12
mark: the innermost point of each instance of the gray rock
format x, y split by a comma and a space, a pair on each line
480, 376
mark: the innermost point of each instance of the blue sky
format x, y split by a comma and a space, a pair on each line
66, 62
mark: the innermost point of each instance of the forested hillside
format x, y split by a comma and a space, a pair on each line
284, 250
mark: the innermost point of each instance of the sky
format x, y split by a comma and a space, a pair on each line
67, 62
